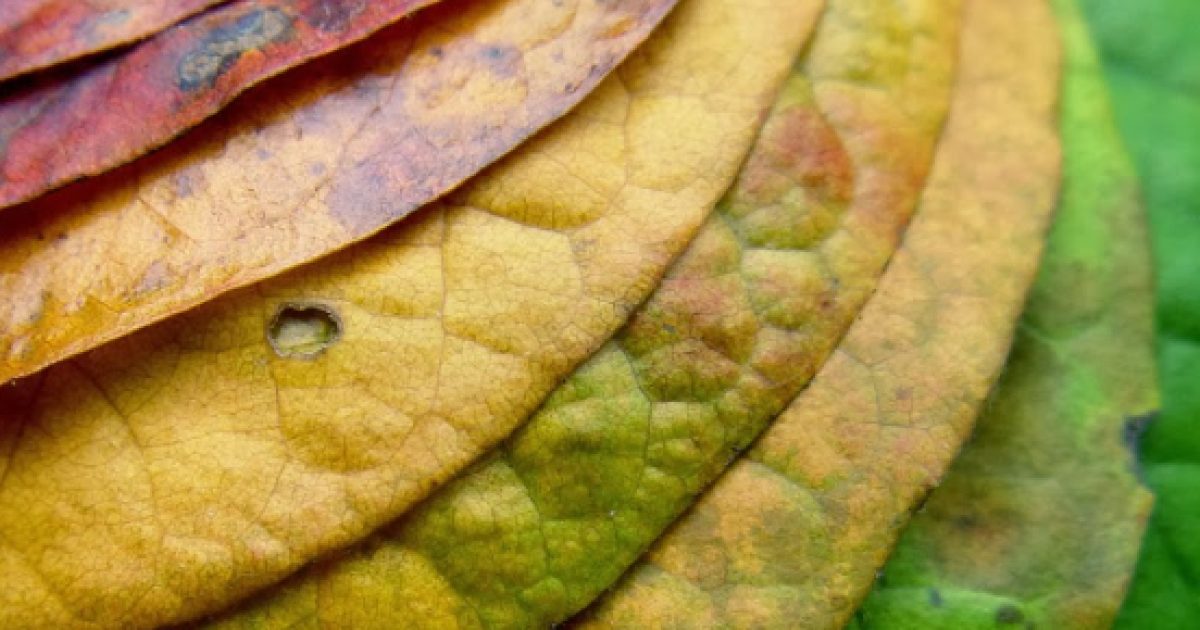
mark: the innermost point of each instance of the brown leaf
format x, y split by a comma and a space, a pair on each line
325, 156
791, 535
35, 34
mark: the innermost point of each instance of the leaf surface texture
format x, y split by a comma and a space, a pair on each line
1039, 520
165, 475
323, 157
793, 533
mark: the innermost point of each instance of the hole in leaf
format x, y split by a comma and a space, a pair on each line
303, 330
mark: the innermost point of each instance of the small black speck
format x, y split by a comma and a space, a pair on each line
1131, 434
1009, 614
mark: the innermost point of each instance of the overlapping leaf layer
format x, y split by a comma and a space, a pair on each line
735, 328
161, 476
326, 156
1039, 520
792, 535
35, 34
805, 229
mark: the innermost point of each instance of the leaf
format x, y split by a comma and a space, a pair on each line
536, 531
85, 121
792, 534
1039, 519
165, 475
36, 34
321, 158
1153, 65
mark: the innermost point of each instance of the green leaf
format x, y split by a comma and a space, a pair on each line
1038, 522
1152, 59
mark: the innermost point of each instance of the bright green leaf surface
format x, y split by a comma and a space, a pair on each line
1038, 522
1152, 58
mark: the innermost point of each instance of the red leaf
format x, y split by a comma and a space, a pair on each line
57, 129
36, 34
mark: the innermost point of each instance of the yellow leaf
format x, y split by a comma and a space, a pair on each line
791, 535
161, 476
736, 328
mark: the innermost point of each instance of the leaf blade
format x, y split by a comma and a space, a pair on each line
1040, 518
1153, 81
736, 328
163, 476
36, 34
835, 475
315, 161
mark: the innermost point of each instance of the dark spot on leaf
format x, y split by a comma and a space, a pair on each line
1131, 434
221, 48
965, 521
1009, 614
184, 186
303, 330
502, 61
935, 598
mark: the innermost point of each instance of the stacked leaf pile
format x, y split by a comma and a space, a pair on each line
595, 313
